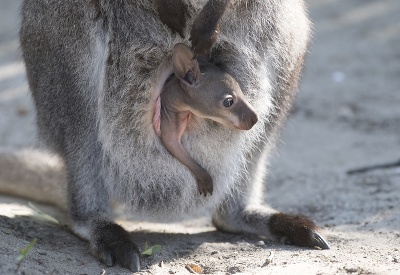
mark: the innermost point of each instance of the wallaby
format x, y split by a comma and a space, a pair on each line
96, 69
202, 89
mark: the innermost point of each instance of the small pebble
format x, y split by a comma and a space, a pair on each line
267, 262
260, 243
351, 269
269, 259
234, 269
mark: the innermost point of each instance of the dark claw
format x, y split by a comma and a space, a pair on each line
206, 191
134, 265
319, 241
205, 186
203, 192
103, 254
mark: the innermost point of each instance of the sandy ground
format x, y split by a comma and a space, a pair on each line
347, 116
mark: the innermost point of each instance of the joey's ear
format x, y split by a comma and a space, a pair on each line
185, 66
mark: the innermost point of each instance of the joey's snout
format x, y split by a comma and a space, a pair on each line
246, 116
247, 121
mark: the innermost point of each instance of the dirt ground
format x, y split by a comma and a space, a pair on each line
347, 116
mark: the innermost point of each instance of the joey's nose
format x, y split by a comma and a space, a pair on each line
252, 120
248, 121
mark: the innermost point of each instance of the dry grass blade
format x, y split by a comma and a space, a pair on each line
43, 216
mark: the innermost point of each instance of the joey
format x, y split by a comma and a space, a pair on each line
202, 89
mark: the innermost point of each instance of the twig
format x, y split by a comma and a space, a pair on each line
374, 167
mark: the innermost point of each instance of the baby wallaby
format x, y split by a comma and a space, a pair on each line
202, 89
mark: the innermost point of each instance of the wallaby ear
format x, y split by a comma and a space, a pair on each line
185, 66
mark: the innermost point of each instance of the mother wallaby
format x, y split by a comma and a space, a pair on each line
96, 68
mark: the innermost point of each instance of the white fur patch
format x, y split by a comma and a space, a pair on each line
82, 230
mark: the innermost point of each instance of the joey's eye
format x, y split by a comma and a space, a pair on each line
228, 102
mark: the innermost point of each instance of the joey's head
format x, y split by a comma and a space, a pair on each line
210, 92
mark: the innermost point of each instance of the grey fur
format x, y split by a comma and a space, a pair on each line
95, 69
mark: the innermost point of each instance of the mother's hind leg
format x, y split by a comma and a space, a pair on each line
245, 212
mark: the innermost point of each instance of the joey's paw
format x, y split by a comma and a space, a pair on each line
297, 230
111, 244
205, 186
